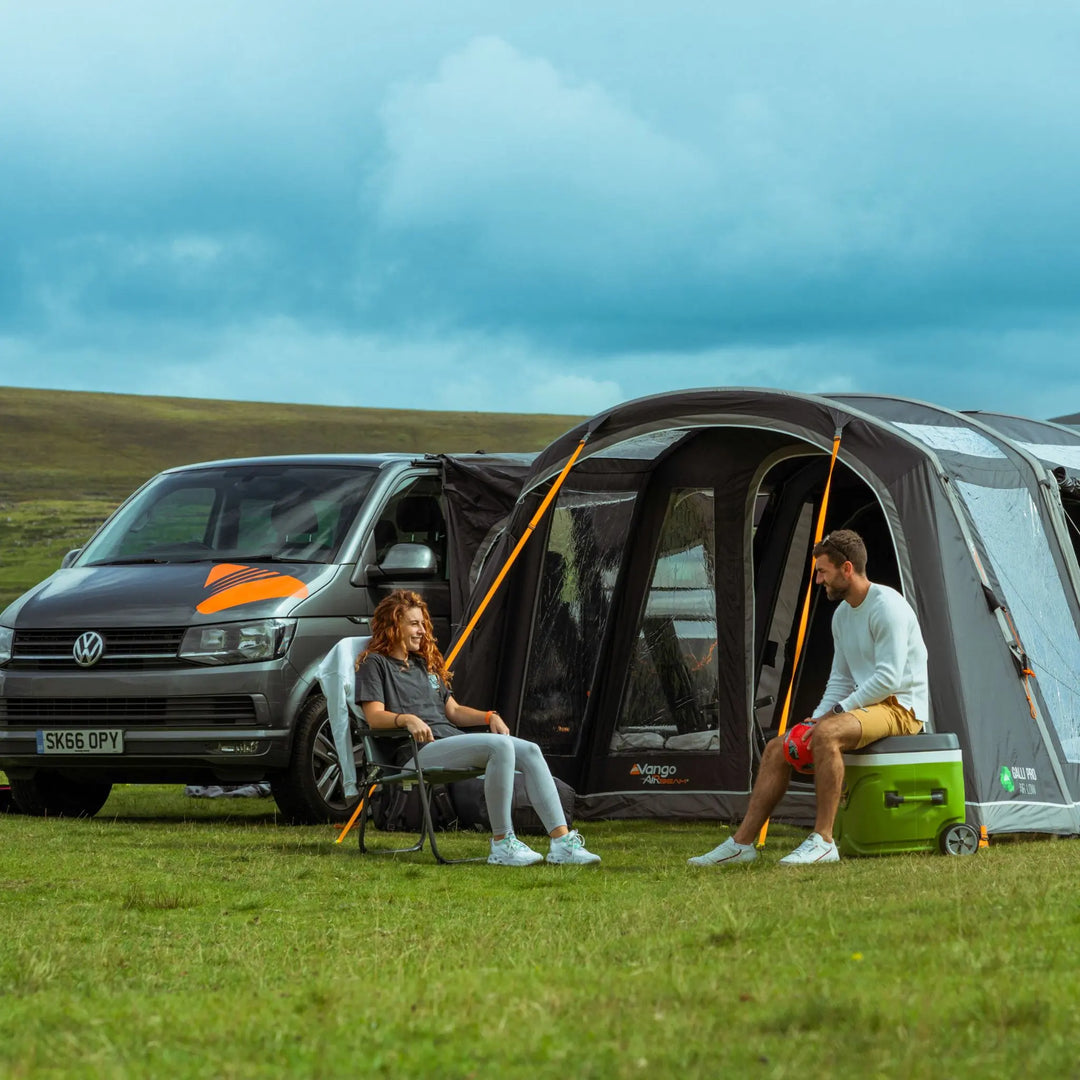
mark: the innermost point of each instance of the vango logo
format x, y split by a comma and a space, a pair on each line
657, 774
654, 770
231, 585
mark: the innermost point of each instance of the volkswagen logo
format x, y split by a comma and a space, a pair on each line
88, 648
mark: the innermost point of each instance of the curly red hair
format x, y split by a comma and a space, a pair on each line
387, 635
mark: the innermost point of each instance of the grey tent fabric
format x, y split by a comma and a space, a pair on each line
479, 493
646, 631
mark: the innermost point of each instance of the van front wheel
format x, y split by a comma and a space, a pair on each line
48, 794
310, 791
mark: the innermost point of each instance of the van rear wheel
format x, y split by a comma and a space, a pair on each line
310, 790
48, 794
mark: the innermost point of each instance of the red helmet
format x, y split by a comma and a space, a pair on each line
798, 749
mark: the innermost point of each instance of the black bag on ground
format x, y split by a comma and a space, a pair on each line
393, 809
472, 813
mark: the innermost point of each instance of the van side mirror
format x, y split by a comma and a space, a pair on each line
69, 558
405, 562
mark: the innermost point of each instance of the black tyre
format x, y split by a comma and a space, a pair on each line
48, 794
310, 791
959, 839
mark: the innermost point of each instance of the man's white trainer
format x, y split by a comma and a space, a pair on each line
812, 850
726, 854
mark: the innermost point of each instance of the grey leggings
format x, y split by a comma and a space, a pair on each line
501, 755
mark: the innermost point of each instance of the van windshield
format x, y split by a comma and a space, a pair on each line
289, 513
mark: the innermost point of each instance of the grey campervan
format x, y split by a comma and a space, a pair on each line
180, 644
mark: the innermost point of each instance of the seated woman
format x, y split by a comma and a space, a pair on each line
402, 682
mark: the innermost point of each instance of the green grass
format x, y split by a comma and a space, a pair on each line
177, 937
67, 459
36, 534
67, 444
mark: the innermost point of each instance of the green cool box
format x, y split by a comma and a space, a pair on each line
904, 793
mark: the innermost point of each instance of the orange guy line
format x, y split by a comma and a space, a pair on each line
517, 551
804, 618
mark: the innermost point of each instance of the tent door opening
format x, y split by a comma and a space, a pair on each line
782, 545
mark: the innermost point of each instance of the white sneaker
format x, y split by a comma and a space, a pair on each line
510, 851
570, 850
726, 854
812, 850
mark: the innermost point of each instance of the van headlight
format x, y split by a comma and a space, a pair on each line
6, 635
238, 643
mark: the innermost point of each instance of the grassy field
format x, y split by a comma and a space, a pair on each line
67, 459
188, 938
185, 938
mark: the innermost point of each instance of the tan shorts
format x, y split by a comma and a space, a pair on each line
887, 717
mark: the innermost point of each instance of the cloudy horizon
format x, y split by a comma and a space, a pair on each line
477, 209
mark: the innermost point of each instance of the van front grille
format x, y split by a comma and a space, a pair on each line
233, 709
125, 649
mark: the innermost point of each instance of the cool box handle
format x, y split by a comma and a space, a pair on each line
937, 796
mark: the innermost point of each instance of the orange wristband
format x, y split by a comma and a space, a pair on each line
487, 718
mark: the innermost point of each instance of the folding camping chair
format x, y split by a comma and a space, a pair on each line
381, 752
337, 677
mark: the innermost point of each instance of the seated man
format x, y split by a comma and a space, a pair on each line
877, 687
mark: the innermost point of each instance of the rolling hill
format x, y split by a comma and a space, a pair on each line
68, 458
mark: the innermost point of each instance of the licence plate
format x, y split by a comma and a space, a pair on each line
83, 741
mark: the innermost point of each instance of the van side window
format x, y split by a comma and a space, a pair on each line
414, 515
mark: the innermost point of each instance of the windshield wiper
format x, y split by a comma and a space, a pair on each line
128, 562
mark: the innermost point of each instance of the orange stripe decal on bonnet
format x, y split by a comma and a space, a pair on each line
233, 585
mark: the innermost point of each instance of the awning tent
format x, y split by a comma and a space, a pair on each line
644, 637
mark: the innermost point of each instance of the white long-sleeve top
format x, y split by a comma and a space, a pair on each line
878, 650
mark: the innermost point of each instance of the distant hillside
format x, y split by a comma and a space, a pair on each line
69, 445
67, 459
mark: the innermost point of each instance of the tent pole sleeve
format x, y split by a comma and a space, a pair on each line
804, 618
548, 499
356, 813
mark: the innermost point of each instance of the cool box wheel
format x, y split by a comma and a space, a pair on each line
959, 839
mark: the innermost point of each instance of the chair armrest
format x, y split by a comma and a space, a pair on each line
385, 757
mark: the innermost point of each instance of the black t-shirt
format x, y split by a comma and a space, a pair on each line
406, 686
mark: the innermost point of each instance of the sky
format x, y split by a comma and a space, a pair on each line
541, 208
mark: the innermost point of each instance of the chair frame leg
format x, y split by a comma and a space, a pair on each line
427, 828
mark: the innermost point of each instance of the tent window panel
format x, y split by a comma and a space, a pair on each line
588, 535
956, 440
672, 687
1019, 552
